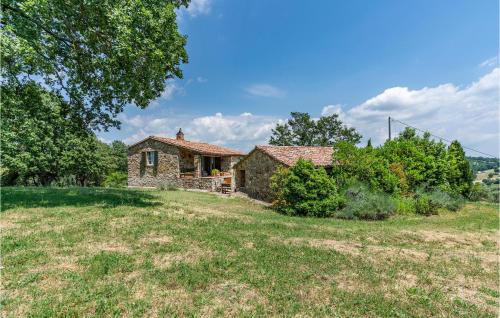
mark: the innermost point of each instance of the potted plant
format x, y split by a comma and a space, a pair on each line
215, 172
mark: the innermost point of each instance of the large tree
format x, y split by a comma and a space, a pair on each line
34, 127
302, 130
43, 143
98, 55
423, 159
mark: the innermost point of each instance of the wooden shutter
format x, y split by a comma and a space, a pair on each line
156, 158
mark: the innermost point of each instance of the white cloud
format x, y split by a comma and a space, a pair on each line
329, 110
135, 121
170, 89
199, 7
200, 79
265, 90
469, 114
493, 61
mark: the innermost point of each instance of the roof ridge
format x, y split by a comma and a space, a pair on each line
200, 147
288, 155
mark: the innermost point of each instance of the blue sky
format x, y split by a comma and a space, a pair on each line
432, 64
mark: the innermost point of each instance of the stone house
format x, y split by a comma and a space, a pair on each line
253, 173
157, 161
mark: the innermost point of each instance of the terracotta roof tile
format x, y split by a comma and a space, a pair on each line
288, 155
199, 147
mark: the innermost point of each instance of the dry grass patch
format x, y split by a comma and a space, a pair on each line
345, 247
58, 263
203, 212
232, 298
110, 246
156, 238
191, 254
448, 239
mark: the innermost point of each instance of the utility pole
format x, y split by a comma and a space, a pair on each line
389, 122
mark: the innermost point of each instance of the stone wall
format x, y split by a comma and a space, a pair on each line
227, 164
186, 161
207, 183
165, 172
259, 168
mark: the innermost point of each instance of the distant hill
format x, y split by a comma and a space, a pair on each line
483, 163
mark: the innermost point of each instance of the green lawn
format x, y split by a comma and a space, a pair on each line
86, 252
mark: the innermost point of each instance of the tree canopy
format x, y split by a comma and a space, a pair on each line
302, 130
96, 55
43, 144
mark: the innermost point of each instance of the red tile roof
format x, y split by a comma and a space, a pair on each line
288, 155
199, 147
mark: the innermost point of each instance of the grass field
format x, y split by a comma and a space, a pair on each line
104, 252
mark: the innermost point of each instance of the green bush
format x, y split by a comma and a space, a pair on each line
404, 205
478, 192
429, 202
366, 205
424, 205
304, 190
214, 172
451, 202
116, 180
365, 165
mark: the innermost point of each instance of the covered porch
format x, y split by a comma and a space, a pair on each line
206, 172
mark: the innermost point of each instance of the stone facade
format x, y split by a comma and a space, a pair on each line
258, 169
142, 175
186, 161
171, 162
205, 183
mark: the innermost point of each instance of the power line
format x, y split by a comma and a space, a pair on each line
436, 136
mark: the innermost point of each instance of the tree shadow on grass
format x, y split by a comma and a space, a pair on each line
35, 197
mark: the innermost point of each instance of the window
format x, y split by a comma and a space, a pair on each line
150, 158
209, 163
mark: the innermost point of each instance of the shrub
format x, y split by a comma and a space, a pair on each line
478, 192
424, 205
365, 165
429, 202
363, 204
404, 205
214, 172
116, 180
447, 201
304, 190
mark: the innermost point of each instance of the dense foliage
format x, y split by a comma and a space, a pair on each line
410, 174
302, 130
365, 165
305, 190
96, 55
116, 179
404, 164
43, 143
424, 161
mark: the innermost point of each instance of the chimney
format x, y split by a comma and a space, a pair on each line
179, 135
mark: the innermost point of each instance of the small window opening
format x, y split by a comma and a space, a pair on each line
150, 158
